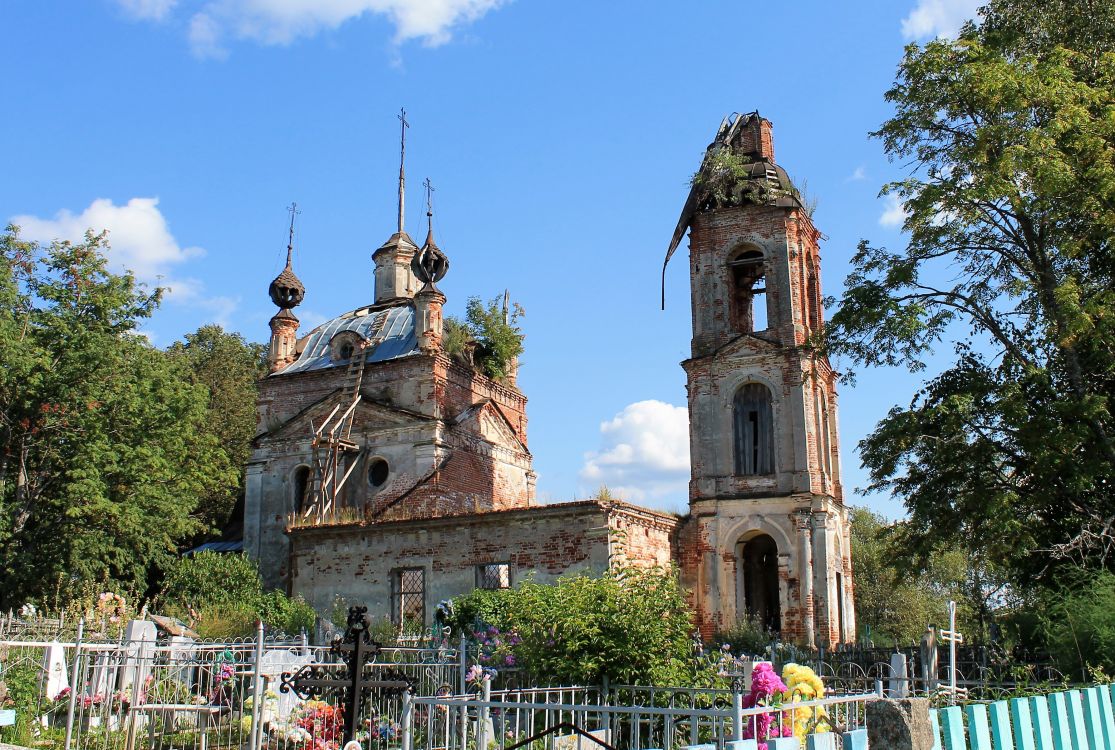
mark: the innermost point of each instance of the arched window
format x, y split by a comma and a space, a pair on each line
747, 274
344, 344
301, 479
753, 422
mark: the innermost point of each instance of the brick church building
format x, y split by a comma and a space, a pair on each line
389, 473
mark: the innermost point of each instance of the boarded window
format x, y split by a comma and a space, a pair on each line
824, 443
493, 576
409, 596
754, 441
814, 301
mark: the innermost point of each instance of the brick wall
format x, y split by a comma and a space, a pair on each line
356, 562
643, 537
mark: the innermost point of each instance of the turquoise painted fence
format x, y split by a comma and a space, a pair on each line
1072, 720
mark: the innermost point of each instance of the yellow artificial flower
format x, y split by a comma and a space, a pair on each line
804, 685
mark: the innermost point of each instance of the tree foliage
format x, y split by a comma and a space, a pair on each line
632, 626
1078, 623
895, 600
1009, 134
104, 447
222, 596
229, 368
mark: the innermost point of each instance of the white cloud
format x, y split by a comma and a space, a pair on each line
894, 213
139, 241
211, 23
858, 174
205, 38
938, 18
644, 456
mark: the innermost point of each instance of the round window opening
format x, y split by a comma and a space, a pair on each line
346, 351
377, 473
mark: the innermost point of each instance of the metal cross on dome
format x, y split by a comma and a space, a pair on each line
355, 649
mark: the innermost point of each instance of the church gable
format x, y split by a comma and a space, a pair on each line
368, 417
487, 421
745, 344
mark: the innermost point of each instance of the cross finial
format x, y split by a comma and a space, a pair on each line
402, 160
293, 210
429, 203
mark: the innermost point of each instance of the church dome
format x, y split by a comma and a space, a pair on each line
389, 331
287, 290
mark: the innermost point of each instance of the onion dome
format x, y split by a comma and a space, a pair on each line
286, 290
430, 264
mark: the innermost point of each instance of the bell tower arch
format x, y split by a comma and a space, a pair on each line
762, 402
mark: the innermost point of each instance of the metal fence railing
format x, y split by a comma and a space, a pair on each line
156, 695
75, 693
557, 719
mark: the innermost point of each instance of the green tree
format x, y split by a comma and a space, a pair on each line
229, 368
1010, 137
104, 451
488, 337
895, 600
892, 602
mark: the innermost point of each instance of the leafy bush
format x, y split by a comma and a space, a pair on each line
209, 578
631, 625
20, 686
221, 622
286, 614
747, 636
169, 691
223, 595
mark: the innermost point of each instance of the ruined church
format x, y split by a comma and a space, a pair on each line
388, 473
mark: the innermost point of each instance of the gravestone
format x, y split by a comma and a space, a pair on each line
746, 668
272, 666
929, 658
103, 676
54, 675
54, 670
139, 653
580, 742
180, 658
899, 725
898, 687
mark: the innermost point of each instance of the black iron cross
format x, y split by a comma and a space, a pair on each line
292, 209
355, 649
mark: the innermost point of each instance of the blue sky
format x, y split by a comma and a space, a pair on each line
559, 135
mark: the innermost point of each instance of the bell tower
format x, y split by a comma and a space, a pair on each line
768, 537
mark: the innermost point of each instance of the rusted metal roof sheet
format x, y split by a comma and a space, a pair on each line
391, 332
